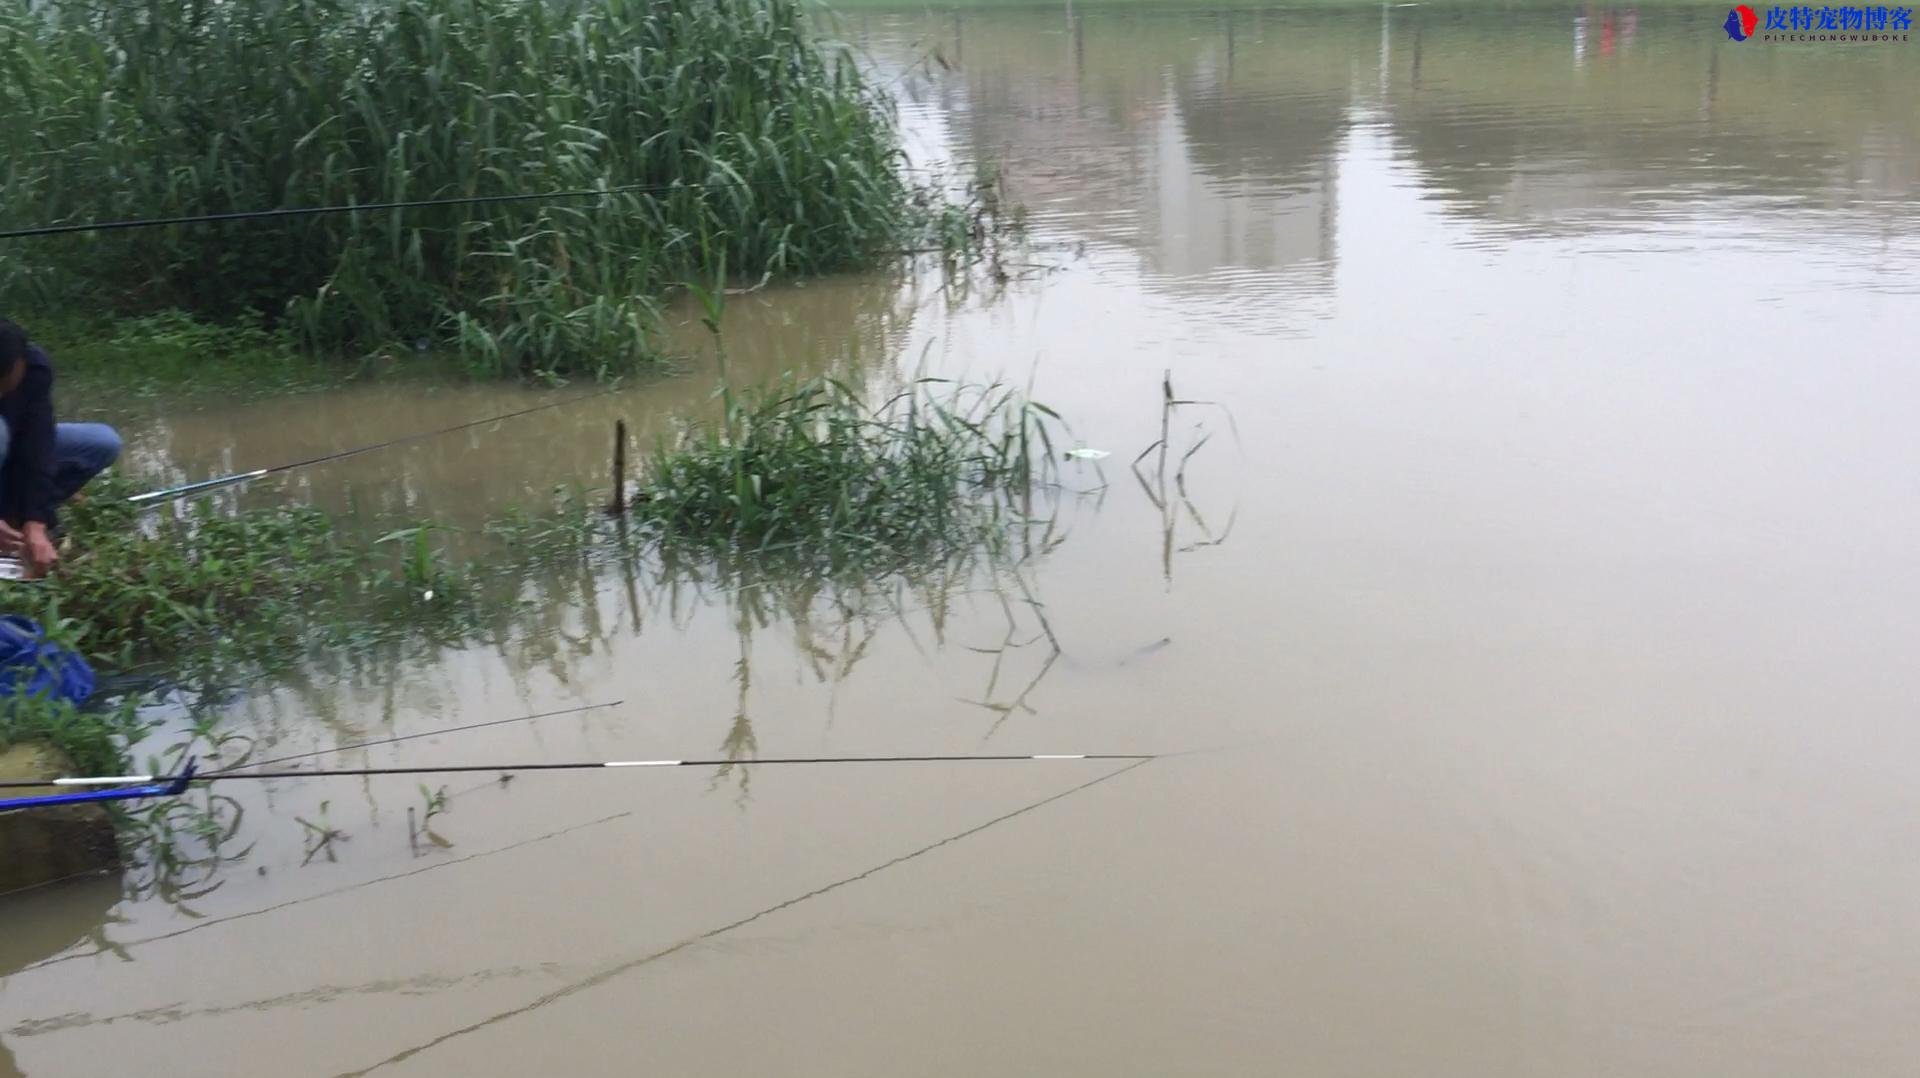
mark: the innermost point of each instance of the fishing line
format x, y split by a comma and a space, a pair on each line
185, 489
632, 964
116, 946
428, 733
360, 207
47, 883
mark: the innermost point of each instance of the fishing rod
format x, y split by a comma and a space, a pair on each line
572, 765
146, 786
366, 207
181, 491
129, 787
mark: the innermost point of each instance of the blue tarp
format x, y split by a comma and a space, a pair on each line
31, 664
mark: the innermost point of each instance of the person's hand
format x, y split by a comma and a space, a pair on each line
11, 541
41, 554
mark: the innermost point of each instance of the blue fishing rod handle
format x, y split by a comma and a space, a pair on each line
172, 787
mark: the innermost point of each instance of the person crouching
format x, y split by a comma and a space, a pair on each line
42, 463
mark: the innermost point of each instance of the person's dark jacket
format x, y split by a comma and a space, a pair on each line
26, 481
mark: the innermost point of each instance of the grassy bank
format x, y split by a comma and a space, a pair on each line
106, 361
201, 593
725, 139
192, 582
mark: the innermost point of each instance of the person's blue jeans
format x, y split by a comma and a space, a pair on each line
80, 452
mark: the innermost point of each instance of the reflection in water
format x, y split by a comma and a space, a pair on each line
1008, 652
845, 329
829, 627
1213, 182
610, 973
1168, 459
568, 621
1633, 127
1207, 142
125, 950
44, 921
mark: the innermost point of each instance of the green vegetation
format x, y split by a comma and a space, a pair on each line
171, 355
809, 472
95, 740
193, 587
192, 581
802, 481
755, 150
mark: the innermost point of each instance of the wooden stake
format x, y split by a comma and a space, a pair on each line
619, 505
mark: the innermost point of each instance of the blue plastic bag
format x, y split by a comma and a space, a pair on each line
31, 664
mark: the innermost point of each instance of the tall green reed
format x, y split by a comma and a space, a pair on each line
776, 157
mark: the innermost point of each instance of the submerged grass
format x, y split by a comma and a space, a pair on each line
762, 148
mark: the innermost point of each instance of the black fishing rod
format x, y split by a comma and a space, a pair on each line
185, 489
567, 765
595, 765
366, 207
192, 775
141, 787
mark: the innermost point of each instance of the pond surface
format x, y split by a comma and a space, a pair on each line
1542, 610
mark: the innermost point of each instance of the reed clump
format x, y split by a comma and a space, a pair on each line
759, 148
810, 472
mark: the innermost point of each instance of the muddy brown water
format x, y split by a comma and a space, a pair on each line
1555, 669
